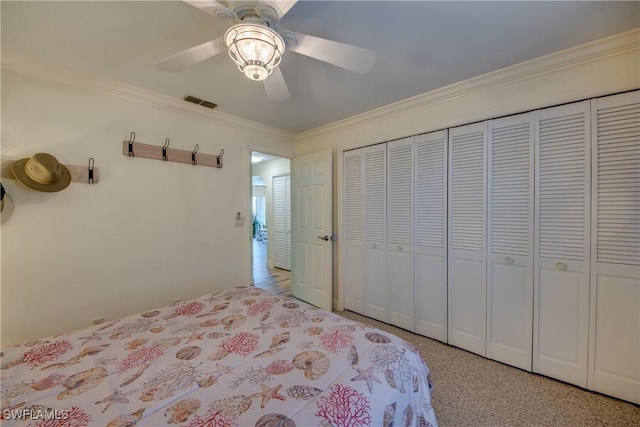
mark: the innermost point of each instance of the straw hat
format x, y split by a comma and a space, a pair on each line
42, 172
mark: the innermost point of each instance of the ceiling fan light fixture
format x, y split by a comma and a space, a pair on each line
255, 48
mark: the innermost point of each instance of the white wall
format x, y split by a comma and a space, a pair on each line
148, 233
603, 67
267, 171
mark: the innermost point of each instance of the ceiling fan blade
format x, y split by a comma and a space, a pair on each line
342, 55
276, 86
190, 57
212, 7
280, 6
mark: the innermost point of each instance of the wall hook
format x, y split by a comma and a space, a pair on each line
91, 162
219, 159
193, 155
164, 150
132, 139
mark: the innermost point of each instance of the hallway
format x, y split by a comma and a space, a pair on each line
274, 280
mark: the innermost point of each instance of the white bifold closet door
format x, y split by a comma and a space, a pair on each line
510, 240
352, 260
282, 221
562, 209
467, 256
376, 293
431, 235
400, 233
615, 258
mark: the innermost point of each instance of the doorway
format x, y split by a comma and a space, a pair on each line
270, 216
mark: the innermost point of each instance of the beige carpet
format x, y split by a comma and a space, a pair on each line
470, 390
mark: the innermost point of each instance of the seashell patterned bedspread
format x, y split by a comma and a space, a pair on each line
239, 357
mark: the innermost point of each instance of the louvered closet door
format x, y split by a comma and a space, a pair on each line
376, 296
400, 233
467, 263
615, 270
510, 240
561, 288
281, 222
352, 260
287, 206
431, 235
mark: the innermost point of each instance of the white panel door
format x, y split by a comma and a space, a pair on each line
430, 245
282, 222
312, 228
352, 250
467, 263
510, 240
400, 233
376, 297
561, 282
615, 270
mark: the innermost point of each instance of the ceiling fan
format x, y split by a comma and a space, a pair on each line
256, 44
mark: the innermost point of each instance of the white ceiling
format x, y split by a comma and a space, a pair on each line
420, 45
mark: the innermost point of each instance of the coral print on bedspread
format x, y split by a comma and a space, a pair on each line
239, 357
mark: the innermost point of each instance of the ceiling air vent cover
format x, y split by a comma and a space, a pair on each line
199, 101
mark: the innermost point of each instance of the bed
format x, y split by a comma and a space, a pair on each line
238, 357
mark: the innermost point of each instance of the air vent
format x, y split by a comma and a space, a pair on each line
199, 101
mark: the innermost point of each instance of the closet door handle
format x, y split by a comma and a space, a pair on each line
508, 260
373, 246
399, 248
325, 238
561, 266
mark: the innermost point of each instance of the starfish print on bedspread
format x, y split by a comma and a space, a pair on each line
268, 394
116, 397
366, 375
94, 336
264, 326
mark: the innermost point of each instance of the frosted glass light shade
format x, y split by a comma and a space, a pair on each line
255, 48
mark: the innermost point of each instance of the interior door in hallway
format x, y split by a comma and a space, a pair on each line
282, 222
312, 227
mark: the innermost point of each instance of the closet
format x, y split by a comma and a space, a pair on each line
614, 324
510, 192
562, 208
430, 247
282, 221
400, 233
375, 232
467, 262
516, 238
364, 184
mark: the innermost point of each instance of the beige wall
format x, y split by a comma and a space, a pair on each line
152, 232
147, 234
603, 67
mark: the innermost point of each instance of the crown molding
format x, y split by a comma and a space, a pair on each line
615, 45
66, 76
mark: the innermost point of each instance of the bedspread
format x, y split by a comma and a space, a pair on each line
238, 357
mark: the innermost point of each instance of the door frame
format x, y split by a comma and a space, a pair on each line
249, 205
338, 215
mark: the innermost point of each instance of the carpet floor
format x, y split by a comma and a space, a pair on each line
470, 390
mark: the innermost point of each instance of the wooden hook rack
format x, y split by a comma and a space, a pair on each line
133, 149
82, 174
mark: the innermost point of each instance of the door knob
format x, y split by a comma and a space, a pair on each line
325, 238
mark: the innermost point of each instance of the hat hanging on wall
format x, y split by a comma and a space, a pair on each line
42, 172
